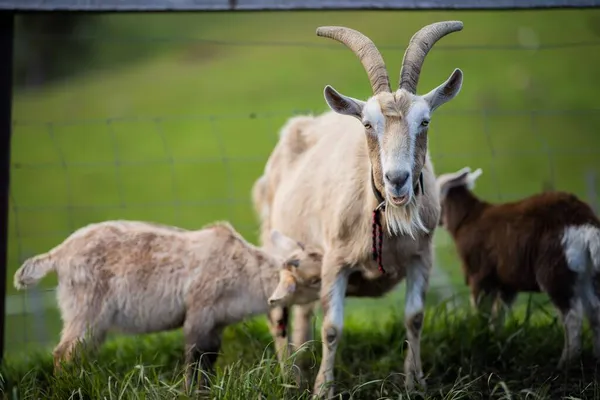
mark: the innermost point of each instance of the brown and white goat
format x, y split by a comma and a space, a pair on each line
547, 242
369, 157
140, 277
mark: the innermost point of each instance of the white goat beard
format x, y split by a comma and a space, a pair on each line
405, 220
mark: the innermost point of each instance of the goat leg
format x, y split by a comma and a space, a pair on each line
201, 355
301, 336
333, 293
79, 335
417, 282
278, 320
572, 321
502, 303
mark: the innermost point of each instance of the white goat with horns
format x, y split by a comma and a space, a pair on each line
341, 181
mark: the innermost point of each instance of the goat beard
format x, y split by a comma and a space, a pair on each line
405, 220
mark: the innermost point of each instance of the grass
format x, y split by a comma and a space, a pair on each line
462, 358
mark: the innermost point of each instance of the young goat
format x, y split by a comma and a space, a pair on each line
140, 277
547, 242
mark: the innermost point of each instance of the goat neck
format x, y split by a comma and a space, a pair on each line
460, 205
377, 245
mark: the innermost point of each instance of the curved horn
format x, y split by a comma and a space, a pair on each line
365, 50
417, 49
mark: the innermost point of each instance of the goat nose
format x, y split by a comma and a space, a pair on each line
397, 178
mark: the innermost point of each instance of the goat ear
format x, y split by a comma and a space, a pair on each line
343, 104
282, 242
461, 173
446, 91
472, 177
453, 177
447, 181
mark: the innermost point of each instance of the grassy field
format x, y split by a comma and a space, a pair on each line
179, 130
462, 360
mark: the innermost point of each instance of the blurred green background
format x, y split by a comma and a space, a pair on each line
171, 117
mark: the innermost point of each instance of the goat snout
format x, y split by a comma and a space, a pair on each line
398, 187
397, 178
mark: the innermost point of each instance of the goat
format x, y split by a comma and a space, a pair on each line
141, 277
374, 163
547, 242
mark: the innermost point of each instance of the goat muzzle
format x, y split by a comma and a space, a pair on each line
399, 201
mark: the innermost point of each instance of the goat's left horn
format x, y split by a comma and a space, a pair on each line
417, 49
365, 50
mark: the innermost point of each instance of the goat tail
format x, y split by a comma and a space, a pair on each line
33, 270
594, 249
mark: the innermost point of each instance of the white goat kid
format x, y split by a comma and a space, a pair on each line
140, 277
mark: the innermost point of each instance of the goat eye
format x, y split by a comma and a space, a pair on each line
425, 122
367, 125
314, 281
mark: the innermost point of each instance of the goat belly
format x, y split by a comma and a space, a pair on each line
359, 286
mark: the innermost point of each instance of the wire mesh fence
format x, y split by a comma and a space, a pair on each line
70, 168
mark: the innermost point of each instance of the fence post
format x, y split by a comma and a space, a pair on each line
7, 19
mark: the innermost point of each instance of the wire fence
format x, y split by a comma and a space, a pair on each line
69, 172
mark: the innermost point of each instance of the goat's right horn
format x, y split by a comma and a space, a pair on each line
365, 50
417, 49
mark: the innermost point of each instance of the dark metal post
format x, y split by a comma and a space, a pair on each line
7, 19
